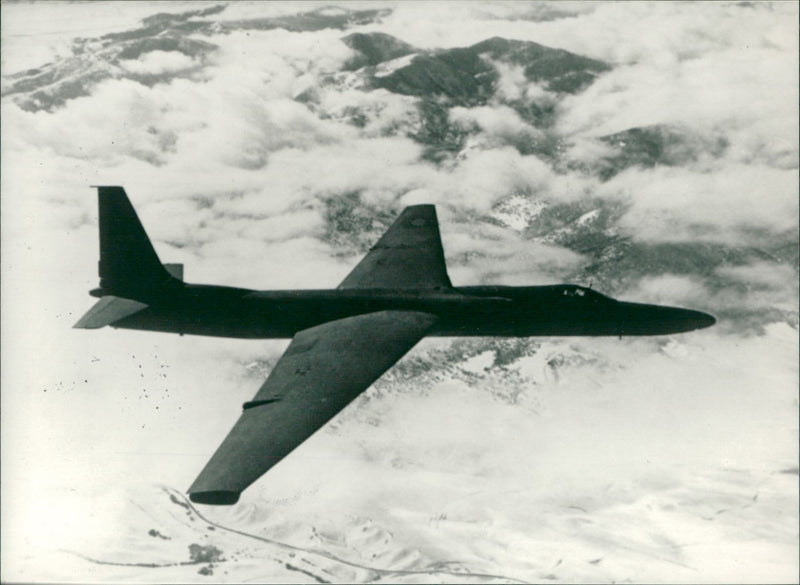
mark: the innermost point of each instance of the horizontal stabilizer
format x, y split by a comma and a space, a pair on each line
108, 310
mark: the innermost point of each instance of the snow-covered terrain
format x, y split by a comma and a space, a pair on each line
648, 150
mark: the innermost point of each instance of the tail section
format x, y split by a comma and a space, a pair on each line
107, 311
129, 265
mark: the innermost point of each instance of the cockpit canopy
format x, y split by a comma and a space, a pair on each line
573, 291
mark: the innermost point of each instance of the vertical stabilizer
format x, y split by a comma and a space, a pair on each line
129, 265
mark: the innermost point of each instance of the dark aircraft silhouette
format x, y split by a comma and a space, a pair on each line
342, 339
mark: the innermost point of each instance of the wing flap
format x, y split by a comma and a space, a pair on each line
108, 310
322, 371
408, 255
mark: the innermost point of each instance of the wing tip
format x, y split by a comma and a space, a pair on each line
215, 497
420, 207
427, 210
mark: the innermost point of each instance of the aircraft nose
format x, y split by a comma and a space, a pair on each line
641, 319
702, 320
687, 320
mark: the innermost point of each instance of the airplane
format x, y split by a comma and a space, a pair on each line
343, 339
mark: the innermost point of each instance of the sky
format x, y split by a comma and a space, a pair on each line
234, 174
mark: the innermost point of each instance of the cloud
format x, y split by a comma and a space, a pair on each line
513, 85
707, 94
761, 274
35, 34
381, 112
453, 24
496, 121
670, 289
762, 287
759, 286
680, 204
626, 413
267, 62
689, 72
486, 254
158, 63
480, 178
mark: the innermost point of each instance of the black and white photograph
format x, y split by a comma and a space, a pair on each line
399, 292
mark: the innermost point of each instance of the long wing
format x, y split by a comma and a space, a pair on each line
322, 371
408, 255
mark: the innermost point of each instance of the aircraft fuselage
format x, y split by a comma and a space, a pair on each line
560, 310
